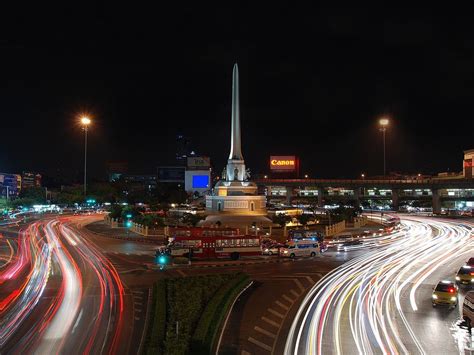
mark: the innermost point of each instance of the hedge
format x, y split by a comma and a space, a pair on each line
205, 334
157, 322
187, 298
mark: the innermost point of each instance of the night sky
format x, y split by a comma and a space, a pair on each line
313, 83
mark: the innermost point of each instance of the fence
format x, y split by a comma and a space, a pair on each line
146, 231
112, 222
360, 221
335, 228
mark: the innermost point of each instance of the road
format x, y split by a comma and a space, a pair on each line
380, 301
60, 294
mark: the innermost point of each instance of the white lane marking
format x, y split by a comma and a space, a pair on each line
269, 321
275, 313
282, 305
260, 344
266, 332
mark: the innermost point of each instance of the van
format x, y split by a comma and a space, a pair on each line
300, 247
468, 309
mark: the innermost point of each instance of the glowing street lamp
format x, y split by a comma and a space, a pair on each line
383, 127
85, 122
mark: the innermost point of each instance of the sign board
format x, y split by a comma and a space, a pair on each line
284, 163
199, 163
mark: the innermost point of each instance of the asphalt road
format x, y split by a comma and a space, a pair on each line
380, 302
60, 294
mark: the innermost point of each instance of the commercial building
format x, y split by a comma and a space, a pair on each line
115, 169
10, 185
197, 175
30, 179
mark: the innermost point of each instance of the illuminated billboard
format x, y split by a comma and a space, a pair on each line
283, 163
200, 181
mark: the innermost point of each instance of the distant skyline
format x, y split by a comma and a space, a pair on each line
313, 83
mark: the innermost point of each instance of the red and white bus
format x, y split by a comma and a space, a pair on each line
208, 243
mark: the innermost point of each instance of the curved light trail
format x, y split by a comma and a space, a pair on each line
366, 306
49, 301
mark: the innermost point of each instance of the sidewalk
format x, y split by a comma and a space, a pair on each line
103, 229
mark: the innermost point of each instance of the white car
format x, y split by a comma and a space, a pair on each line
297, 248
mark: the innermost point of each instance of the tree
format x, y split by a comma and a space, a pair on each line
281, 219
36, 194
192, 219
303, 219
116, 212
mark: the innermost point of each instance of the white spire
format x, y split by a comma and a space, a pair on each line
235, 148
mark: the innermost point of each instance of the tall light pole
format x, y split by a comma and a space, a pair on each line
85, 121
383, 127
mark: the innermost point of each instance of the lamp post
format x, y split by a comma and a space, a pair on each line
85, 121
383, 127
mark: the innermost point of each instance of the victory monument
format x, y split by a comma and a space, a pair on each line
234, 199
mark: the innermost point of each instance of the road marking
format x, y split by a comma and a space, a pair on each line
140, 297
282, 305
137, 318
138, 310
266, 332
181, 272
275, 313
269, 321
296, 294
245, 353
310, 280
299, 284
260, 344
138, 303
288, 299
137, 291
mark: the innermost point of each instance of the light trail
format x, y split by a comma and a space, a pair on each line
361, 306
54, 255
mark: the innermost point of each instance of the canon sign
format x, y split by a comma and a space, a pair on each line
285, 163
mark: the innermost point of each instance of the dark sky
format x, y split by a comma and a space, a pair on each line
313, 81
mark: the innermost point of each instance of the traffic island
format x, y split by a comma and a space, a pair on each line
187, 314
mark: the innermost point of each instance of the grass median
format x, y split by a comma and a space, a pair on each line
187, 313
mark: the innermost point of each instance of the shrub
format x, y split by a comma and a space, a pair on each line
157, 321
205, 335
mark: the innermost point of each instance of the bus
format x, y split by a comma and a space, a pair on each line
210, 243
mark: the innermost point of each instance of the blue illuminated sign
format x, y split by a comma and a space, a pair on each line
200, 181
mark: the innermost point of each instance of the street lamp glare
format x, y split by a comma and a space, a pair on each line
383, 121
85, 121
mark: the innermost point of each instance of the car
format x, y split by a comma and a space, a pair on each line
271, 249
470, 262
465, 275
445, 293
350, 244
296, 248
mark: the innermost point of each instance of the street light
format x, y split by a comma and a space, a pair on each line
383, 127
85, 122
362, 176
